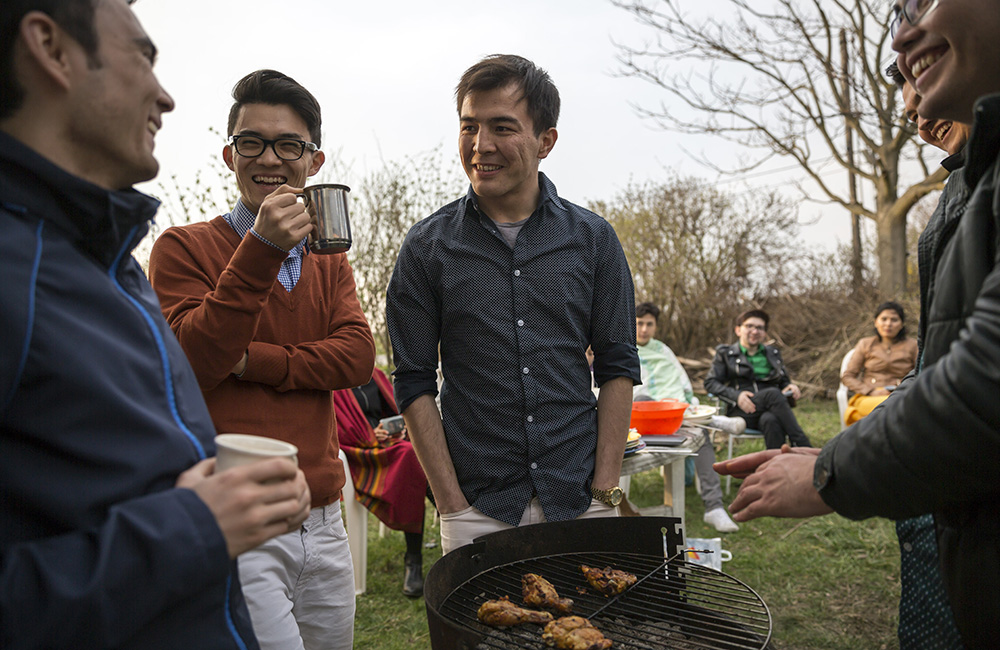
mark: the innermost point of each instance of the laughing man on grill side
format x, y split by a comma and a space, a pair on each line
934, 445
513, 283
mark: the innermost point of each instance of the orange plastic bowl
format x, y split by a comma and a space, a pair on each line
661, 418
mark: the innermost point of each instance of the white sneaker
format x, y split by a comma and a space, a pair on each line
719, 519
733, 426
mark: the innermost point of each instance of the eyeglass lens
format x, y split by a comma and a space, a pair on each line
912, 10
252, 146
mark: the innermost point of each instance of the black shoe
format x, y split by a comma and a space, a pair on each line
413, 578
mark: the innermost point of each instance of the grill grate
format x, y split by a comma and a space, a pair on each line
679, 605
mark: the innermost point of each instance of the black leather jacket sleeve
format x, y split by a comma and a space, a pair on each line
719, 376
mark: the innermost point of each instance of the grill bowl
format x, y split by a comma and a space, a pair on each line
711, 609
661, 418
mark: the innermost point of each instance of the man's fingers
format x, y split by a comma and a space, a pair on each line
196, 473
743, 466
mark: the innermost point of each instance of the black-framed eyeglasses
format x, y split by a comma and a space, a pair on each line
251, 146
913, 10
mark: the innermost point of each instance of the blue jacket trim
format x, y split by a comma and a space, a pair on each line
31, 318
229, 615
160, 346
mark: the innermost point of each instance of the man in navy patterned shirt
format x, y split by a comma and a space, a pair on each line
512, 283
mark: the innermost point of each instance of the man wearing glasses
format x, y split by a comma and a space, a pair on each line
934, 447
270, 331
751, 378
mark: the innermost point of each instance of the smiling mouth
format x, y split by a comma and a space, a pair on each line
923, 63
152, 127
270, 180
941, 131
487, 168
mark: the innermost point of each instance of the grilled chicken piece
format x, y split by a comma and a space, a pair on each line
574, 633
608, 581
539, 592
503, 613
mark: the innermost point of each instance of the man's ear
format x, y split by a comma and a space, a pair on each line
318, 159
53, 53
547, 140
227, 156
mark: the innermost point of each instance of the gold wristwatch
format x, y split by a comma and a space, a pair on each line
611, 496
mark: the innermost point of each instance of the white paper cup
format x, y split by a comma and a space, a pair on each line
235, 449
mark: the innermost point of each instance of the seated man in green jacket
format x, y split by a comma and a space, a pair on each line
752, 379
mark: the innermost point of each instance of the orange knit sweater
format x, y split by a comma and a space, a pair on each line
221, 296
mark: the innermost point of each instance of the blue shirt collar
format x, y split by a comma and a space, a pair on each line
548, 196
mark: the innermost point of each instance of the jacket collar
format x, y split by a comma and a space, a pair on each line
984, 143
97, 220
954, 161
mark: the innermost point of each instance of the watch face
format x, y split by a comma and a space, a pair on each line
615, 496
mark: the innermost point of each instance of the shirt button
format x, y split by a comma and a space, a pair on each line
907, 547
534, 466
525, 370
520, 323
517, 273
531, 418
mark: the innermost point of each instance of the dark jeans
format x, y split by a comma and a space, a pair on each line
775, 418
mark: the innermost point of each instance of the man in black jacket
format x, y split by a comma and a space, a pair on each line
934, 446
751, 378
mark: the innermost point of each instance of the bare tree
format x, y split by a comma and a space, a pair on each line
387, 202
768, 77
700, 254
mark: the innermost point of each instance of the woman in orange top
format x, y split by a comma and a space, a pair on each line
879, 362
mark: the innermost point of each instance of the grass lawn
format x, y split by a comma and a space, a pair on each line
829, 582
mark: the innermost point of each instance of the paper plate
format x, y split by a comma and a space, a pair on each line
699, 414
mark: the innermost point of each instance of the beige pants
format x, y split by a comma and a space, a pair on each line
300, 586
460, 528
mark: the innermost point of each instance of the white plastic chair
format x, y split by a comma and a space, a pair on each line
356, 516
842, 389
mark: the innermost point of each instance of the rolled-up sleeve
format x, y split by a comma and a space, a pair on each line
413, 316
613, 314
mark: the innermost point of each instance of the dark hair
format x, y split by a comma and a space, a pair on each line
898, 308
892, 71
753, 313
501, 70
274, 88
76, 17
647, 308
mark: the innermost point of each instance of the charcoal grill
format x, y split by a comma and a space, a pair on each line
675, 605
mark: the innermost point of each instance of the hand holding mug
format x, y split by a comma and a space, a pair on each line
282, 219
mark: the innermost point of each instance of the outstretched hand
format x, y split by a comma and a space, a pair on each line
251, 503
744, 466
780, 487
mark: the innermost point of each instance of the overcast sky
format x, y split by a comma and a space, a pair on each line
385, 71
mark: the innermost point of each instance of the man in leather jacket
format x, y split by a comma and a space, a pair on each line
751, 378
934, 446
